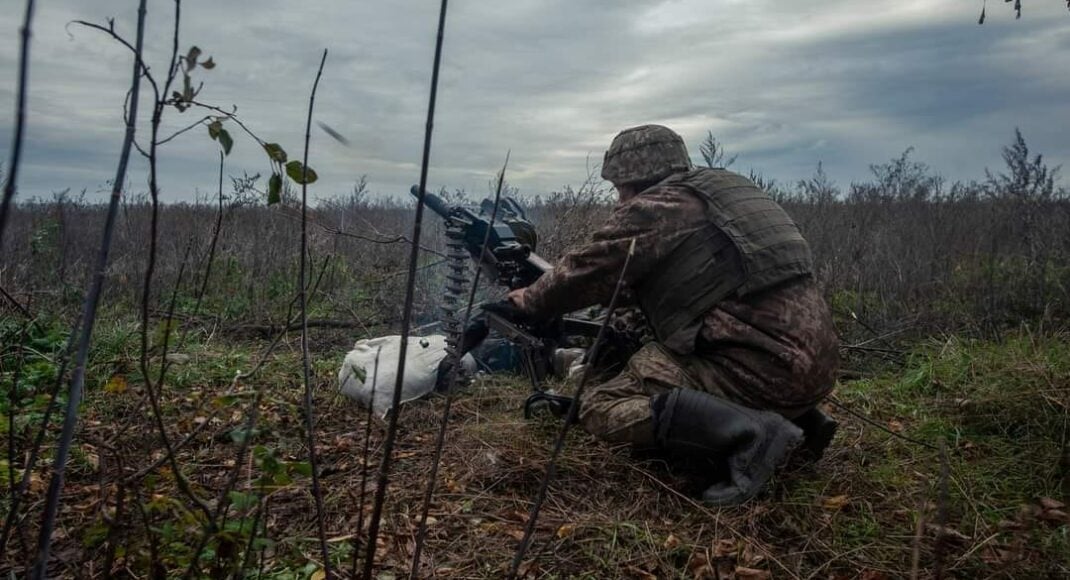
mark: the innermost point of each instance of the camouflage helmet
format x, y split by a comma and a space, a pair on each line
644, 154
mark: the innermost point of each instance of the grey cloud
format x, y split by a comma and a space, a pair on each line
783, 84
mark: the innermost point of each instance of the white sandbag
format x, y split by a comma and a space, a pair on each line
421, 369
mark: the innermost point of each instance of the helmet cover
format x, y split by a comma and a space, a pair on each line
644, 154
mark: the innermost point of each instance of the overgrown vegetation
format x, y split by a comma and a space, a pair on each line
195, 447
902, 249
902, 257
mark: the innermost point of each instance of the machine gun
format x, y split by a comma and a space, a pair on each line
510, 259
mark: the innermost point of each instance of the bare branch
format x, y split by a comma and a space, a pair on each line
186, 129
110, 31
10, 184
440, 438
310, 423
89, 314
15, 303
570, 419
391, 432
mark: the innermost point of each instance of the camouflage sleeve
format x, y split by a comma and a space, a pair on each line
587, 275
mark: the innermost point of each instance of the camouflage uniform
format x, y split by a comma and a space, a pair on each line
773, 349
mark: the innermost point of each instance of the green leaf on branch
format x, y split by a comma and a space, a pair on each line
214, 128
275, 152
274, 189
177, 97
300, 174
225, 141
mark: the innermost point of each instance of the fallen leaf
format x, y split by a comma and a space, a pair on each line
671, 543
723, 548
318, 575
36, 483
895, 426
116, 384
699, 566
752, 573
453, 486
565, 530
835, 502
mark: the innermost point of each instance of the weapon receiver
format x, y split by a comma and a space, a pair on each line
509, 260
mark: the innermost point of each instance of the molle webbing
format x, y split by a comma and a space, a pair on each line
700, 272
772, 248
748, 244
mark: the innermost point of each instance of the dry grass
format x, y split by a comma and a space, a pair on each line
611, 513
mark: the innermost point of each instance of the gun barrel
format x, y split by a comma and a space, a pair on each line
432, 201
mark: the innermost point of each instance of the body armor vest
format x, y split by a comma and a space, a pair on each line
748, 244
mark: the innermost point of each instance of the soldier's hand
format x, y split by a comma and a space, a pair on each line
517, 297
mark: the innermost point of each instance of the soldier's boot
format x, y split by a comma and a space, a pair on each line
752, 443
819, 429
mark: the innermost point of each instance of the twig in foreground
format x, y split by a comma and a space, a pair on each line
573, 414
440, 439
10, 183
88, 319
383, 478
364, 460
310, 420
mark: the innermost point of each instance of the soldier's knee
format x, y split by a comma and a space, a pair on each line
619, 420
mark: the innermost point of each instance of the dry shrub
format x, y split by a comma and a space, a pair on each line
903, 249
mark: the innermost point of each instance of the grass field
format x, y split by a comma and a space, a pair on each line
872, 508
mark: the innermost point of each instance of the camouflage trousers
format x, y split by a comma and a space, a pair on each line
618, 409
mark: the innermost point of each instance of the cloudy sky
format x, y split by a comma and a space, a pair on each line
783, 83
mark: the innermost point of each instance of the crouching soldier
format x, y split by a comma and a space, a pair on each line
745, 346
